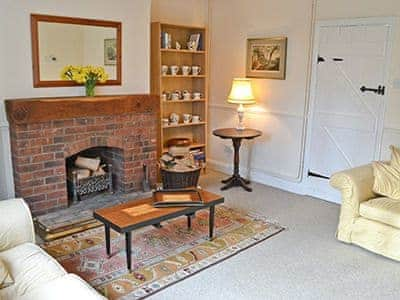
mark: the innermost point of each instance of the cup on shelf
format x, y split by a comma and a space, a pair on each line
186, 95
186, 70
196, 70
174, 70
164, 96
164, 70
187, 118
195, 119
175, 96
174, 118
196, 96
165, 122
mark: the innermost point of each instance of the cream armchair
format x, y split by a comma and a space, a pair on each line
366, 219
36, 275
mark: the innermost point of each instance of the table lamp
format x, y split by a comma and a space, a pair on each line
242, 94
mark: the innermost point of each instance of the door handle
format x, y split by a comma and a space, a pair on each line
380, 90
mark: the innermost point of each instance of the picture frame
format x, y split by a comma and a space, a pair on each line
110, 52
266, 58
194, 41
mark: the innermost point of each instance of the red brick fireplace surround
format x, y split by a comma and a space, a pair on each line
46, 131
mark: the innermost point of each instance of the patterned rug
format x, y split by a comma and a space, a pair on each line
160, 257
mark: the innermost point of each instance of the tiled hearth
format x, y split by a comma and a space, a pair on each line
44, 132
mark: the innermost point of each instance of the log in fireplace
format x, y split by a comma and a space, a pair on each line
47, 132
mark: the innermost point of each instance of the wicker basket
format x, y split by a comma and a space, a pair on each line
177, 180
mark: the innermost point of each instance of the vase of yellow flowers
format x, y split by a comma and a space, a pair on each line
88, 76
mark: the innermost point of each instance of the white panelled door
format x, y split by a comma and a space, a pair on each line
349, 92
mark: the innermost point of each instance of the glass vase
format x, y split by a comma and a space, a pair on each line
89, 88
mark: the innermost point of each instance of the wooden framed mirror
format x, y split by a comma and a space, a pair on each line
60, 41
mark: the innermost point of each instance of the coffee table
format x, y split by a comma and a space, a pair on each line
126, 217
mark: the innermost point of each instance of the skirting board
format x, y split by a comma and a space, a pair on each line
258, 176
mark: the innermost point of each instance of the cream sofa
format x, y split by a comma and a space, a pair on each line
37, 276
367, 219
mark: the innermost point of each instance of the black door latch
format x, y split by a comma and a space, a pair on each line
380, 90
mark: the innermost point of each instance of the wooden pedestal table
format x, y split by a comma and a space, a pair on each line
126, 217
236, 136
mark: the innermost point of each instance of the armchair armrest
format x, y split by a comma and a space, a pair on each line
16, 225
356, 187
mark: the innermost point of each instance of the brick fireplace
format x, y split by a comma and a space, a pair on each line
46, 131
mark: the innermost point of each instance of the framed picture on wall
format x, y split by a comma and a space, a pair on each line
266, 57
110, 52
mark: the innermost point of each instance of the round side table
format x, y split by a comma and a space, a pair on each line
236, 136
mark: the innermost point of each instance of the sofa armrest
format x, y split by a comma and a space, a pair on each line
67, 287
16, 225
356, 187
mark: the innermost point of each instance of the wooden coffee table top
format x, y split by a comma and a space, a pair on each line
138, 213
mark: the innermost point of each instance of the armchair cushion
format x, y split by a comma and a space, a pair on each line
16, 225
387, 180
395, 160
30, 268
5, 277
387, 176
384, 210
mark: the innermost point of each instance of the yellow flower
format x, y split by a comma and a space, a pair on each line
82, 74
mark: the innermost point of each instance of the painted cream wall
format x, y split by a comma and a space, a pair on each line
277, 158
16, 74
187, 12
280, 109
327, 9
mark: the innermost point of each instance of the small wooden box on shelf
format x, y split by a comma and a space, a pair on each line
169, 83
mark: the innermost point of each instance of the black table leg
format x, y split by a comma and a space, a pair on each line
128, 246
158, 225
227, 180
246, 181
236, 179
189, 221
211, 220
108, 242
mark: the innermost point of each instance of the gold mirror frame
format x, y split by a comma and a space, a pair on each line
35, 19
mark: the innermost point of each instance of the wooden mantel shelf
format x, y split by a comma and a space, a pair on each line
35, 110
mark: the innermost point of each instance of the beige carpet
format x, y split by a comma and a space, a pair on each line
305, 262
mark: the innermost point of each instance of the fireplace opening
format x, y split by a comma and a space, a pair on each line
92, 171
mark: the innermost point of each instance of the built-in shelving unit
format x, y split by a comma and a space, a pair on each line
197, 132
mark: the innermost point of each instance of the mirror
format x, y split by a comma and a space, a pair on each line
61, 41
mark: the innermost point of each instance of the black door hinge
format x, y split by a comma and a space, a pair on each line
312, 174
380, 90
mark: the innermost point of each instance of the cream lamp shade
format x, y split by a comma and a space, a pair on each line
242, 94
